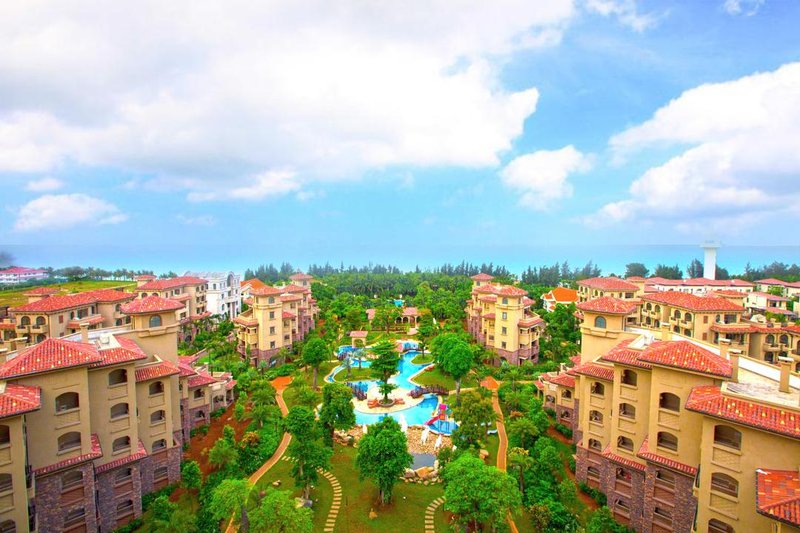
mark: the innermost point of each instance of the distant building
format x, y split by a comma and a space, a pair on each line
789, 289
16, 275
223, 296
190, 291
559, 295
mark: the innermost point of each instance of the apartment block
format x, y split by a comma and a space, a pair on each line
16, 275
789, 289
190, 291
223, 292
591, 288
499, 317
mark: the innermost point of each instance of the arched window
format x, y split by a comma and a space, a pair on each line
157, 387
687, 316
6, 483
595, 445
718, 526
122, 443
160, 444
667, 400
199, 393
117, 377
592, 472
566, 393
625, 443
676, 314
596, 416
667, 441
658, 308
725, 484
784, 339
5, 435
8, 526
158, 416
600, 322
598, 388
770, 339
155, 321
69, 441
26, 321
627, 410
629, 377
40, 321
70, 480
67, 401
123, 475
550, 398
727, 436
120, 410
144, 295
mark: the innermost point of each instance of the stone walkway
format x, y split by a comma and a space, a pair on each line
491, 384
430, 511
337, 501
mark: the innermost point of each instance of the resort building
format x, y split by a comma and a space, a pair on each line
559, 295
222, 295
789, 289
278, 317
407, 317
764, 302
499, 317
698, 286
92, 421
610, 286
17, 275
190, 291
248, 285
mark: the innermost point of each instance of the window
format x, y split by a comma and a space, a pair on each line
566, 394
550, 398
69, 441
596, 416
272, 330
727, 436
124, 508
156, 388
593, 472
160, 444
627, 410
60, 319
622, 475
565, 415
600, 322
199, 393
123, 476
117, 377
118, 308
158, 416
784, 339
272, 344
5, 482
199, 414
503, 330
5, 435
705, 319
505, 301
155, 321
271, 299
665, 514
502, 344
667, 400
505, 315
122, 443
160, 473
67, 401
26, 321
8, 526
119, 410
74, 517
625, 443
667, 441
665, 477
725, 484
687, 316
144, 295
717, 526
598, 388
629, 377
594, 444
623, 505
70, 480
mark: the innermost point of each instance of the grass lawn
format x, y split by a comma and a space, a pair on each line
422, 359
438, 377
491, 443
356, 374
16, 297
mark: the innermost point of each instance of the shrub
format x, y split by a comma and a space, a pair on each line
595, 494
572, 464
218, 413
550, 412
564, 430
148, 499
131, 526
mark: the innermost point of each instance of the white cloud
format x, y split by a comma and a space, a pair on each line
739, 157
199, 220
62, 211
541, 177
44, 184
747, 8
626, 11
223, 92
264, 185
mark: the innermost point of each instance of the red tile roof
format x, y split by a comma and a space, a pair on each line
738, 327
144, 277
127, 352
691, 301
171, 283
201, 379
231, 383
141, 453
527, 302
608, 284
563, 379
410, 311
89, 320
7, 325
710, 401
287, 314
653, 457
181, 297
48, 355
300, 276
490, 316
96, 453
292, 288
156, 371
358, 334
151, 304
111, 295
246, 320
488, 289
778, 495
770, 281
530, 321
17, 400
595, 371
488, 298
687, 356
622, 354
254, 283
291, 297
630, 463
730, 293
186, 370
538, 384
482, 277
608, 305
562, 295
57, 303
22, 270
508, 290
266, 290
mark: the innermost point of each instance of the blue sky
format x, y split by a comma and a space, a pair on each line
343, 129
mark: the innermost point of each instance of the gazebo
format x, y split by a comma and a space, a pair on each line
356, 336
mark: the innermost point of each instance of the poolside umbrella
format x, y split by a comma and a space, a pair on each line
403, 423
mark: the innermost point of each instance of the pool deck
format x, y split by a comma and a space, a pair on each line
361, 405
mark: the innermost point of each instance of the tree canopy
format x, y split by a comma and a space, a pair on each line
383, 455
385, 365
277, 513
474, 416
306, 449
315, 352
337, 410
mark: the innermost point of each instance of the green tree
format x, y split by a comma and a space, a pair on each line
180, 520
277, 513
519, 461
668, 272
775, 290
540, 517
385, 317
602, 521
522, 433
263, 393
456, 359
337, 410
315, 352
266, 415
230, 498
223, 455
636, 269
385, 365
191, 476
474, 416
308, 452
383, 456
426, 330
694, 269
479, 495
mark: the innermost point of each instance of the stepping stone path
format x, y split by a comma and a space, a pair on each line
430, 511
330, 522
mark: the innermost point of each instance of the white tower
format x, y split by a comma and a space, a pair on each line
710, 259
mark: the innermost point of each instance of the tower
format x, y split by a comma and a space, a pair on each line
710, 259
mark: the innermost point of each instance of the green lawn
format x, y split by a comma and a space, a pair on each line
16, 297
356, 374
422, 359
437, 377
491, 444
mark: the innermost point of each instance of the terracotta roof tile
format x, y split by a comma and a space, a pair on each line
151, 304
778, 495
608, 304
358, 334
630, 463
171, 283
410, 311
48, 355
291, 297
488, 298
288, 315
127, 352
482, 277
111, 295
562, 295
490, 316
89, 320
563, 379
7, 325
509, 290
653, 457
710, 401
246, 321
141, 453
292, 288
622, 354
156, 371
687, 356
692, 301
40, 291
300, 276
96, 453
608, 284
254, 283
201, 379
738, 327
16, 400
530, 321
596, 371
266, 290
57, 303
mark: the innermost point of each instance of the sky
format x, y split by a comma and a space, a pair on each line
321, 129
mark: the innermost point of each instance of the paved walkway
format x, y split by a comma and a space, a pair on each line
491, 384
330, 522
430, 511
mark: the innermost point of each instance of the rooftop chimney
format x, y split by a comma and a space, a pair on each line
666, 334
724, 346
786, 367
733, 355
85, 333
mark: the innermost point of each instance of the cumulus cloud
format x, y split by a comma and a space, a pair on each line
747, 8
220, 93
738, 160
264, 185
62, 211
541, 177
626, 11
44, 184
